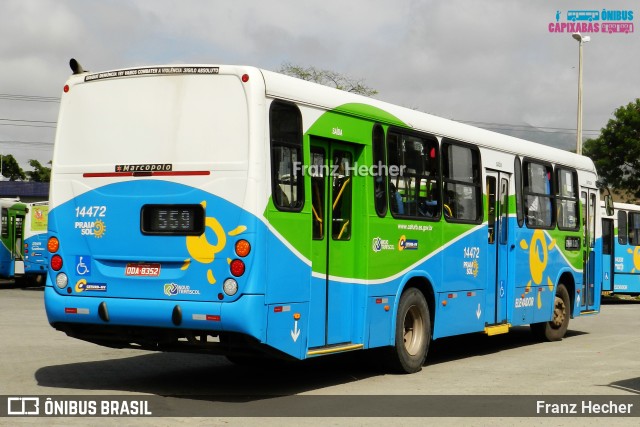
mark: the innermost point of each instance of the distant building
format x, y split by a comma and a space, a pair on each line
27, 191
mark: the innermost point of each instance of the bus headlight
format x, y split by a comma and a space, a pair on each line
62, 280
230, 287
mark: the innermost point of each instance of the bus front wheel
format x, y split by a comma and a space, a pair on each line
413, 333
556, 328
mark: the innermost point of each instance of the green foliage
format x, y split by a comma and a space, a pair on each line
616, 152
40, 173
11, 169
327, 78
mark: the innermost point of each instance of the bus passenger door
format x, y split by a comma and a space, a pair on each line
497, 188
12, 235
588, 200
18, 222
333, 248
607, 254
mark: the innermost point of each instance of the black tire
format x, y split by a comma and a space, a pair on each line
556, 328
413, 333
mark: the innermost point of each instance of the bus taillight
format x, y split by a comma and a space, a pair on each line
56, 262
53, 244
243, 248
237, 267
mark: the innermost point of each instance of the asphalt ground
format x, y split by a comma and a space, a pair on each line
599, 357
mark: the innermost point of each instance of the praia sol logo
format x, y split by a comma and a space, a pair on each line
593, 21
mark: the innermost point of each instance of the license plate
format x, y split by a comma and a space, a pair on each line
151, 270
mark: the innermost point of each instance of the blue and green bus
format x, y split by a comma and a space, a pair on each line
621, 249
12, 218
237, 211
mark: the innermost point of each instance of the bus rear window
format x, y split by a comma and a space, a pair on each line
178, 119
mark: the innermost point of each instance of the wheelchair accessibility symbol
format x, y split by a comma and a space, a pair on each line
83, 265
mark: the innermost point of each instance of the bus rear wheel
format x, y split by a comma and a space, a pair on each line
556, 328
413, 333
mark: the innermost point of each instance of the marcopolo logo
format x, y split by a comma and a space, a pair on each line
593, 21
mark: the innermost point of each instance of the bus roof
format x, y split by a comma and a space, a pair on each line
294, 89
313, 94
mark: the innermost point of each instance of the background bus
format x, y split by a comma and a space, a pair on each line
36, 255
621, 249
234, 210
12, 218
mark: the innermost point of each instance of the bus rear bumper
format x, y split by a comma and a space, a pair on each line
92, 316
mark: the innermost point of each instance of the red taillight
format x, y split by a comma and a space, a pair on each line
237, 267
243, 248
65, 88
56, 262
53, 244
245, 78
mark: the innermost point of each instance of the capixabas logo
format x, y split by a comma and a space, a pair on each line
593, 21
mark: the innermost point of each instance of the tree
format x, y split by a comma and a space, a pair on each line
616, 152
11, 169
40, 173
327, 78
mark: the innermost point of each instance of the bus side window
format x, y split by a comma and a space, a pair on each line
567, 199
413, 175
287, 185
462, 182
538, 195
517, 168
380, 176
622, 227
634, 228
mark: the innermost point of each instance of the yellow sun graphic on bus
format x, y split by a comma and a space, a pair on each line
203, 251
538, 260
636, 258
99, 228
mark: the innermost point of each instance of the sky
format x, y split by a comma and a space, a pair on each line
491, 62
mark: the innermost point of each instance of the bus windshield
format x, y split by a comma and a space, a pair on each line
183, 120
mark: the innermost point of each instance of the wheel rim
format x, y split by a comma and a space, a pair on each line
559, 313
413, 330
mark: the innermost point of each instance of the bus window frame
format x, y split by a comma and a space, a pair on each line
436, 179
379, 189
559, 197
296, 146
527, 161
623, 236
517, 172
476, 179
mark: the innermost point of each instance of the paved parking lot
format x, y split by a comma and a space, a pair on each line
599, 357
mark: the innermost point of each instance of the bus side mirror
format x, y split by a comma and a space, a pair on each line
608, 204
